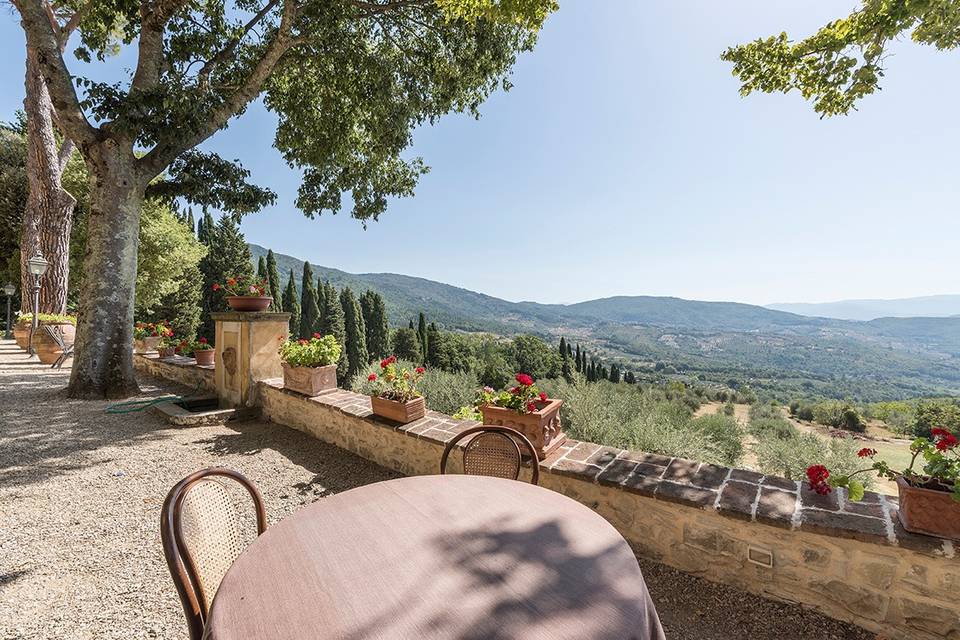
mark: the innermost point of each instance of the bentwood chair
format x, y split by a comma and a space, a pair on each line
202, 533
494, 451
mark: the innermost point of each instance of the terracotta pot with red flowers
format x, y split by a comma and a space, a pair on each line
526, 409
394, 393
929, 498
202, 351
310, 366
245, 294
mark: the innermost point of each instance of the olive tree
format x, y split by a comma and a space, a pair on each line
347, 79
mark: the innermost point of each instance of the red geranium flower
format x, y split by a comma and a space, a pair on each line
371, 377
938, 431
524, 379
420, 370
543, 397
948, 441
231, 281
202, 341
317, 336
867, 452
515, 390
302, 341
817, 475
216, 286
531, 407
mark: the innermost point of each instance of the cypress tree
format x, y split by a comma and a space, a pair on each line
434, 341
579, 361
614, 373
569, 351
336, 327
375, 320
228, 256
208, 229
322, 322
273, 277
563, 347
565, 369
309, 312
262, 274
190, 221
291, 302
357, 356
422, 334
406, 344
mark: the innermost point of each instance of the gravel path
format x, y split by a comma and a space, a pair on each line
80, 497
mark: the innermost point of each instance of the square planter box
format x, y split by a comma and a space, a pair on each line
928, 511
310, 381
402, 412
542, 426
146, 345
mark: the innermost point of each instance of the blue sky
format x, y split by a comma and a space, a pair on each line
624, 162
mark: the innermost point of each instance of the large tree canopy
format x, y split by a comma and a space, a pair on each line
348, 80
843, 61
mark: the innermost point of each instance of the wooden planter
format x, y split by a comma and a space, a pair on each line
402, 412
47, 350
928, 511
147, 344
249, 303
542, 426
205, 357
310, 381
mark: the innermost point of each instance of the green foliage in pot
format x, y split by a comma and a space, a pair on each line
318, 351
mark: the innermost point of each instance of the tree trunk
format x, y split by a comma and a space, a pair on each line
49, 214
103, 360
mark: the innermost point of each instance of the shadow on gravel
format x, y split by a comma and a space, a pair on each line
334, 469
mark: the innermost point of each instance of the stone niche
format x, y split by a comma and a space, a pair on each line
246, 345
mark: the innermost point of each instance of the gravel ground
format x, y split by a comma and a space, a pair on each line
80, 497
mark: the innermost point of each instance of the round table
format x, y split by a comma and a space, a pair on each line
437, 557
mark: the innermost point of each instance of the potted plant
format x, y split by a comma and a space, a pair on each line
21, 330
245, 294
147, 335
526, 409
395, 394
929, 498
310, 366
202, 351
166, 348
46, 348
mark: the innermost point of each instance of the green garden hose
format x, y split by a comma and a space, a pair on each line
133, 406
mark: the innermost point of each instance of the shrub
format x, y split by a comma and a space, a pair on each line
444, 391
935, 413
790, 457
774, 428
726, 432
728, 409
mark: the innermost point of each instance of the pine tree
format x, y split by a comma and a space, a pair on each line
228, 256
422, 334
336, 327
356, 332
309, 312
375, 320
291, 303
273, 276
182, 307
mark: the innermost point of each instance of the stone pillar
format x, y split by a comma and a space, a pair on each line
247, 346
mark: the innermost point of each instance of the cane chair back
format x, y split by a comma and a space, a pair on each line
203, 532
494, 451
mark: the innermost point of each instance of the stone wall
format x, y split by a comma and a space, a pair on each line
177, 368
767, 535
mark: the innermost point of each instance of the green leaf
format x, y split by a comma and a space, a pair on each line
855, 490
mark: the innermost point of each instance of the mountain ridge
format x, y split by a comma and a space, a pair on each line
937, 306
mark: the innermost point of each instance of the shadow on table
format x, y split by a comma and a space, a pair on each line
569, 585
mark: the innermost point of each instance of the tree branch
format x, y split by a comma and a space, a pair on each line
223, 54
42, 37
166, 152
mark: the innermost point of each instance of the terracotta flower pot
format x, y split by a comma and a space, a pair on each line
249, 303
542, 426
166, 352
21, 333
46, 349
402, 412
204, 357
928, 511
310, 381
146, 344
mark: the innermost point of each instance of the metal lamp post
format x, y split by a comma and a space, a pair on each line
9, 289
37, 266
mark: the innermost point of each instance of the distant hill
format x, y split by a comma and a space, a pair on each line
720, 341
926, 306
